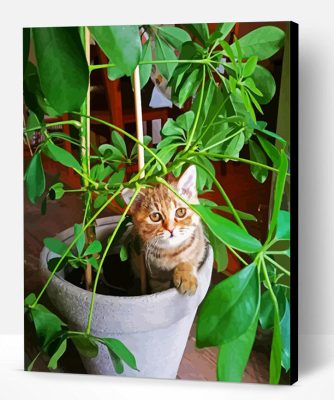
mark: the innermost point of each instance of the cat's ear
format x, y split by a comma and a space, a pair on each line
186, 185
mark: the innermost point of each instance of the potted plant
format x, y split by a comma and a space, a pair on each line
129, 334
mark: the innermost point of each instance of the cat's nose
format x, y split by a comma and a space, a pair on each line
170, 230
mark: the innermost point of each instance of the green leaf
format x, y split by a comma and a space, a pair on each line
267, 308
100, 200
47, 324
93, 261
35, 178
171, 128
30, 299
145, 69
249, 66
219, 251
262, 42
86, 346
185, 120
26, 47
243, 215
164, 52
201, 31
123, 254
229, 308
114, 72
257, 155
62, 156
189, 87
117, 362
285, 336
32, 122
272, 151
227, 231
276, 350
111, 152
283, 225
174, 36
222, 31
121, 351
117, 177
265, 82
233, 356
94, 247
249, 83
62, 67
56, 191
235, 145
121, 44
55, 245
78, 233
119, 142
53, 363
279, 190
52, 262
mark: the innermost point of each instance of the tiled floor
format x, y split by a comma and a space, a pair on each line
196, 363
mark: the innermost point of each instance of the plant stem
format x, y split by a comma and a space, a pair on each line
164, 168
224, 140
211, 122
110, 240
74, 242
162, 181
51, 124
243, 160
277, 265
177, 61
224, 195
192, 132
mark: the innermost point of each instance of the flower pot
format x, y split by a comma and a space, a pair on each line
154, 327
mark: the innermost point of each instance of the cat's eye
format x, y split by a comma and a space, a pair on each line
180, 212
155, 217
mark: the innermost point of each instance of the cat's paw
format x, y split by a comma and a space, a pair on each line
184, 279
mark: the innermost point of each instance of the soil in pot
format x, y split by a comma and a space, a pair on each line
117, 278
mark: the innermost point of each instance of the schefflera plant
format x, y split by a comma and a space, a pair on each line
227, 88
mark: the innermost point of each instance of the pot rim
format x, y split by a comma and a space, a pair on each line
147, 298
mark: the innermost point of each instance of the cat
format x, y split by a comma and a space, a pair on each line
171, 235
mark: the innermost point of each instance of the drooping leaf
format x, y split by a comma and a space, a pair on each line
272, 151
257, 155
227, 231
234, 146
229, 309
94, 247
222, 31
265, 82
145, 69
119, 142
279, 190
165, 52
86, 345
121, 351
80, 244
121, 44
276, 350
174, 36
219, 251
233, 356
62, 156
117, 362
200, 31
262, 42
53, 363
47, 324
190, 86
243, 215
266, 317
35, 178
285, 336
283, 225
62, 67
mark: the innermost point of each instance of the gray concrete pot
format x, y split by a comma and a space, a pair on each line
154, 327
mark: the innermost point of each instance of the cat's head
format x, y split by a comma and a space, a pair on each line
160, 216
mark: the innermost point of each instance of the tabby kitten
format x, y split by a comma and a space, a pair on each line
171, 234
